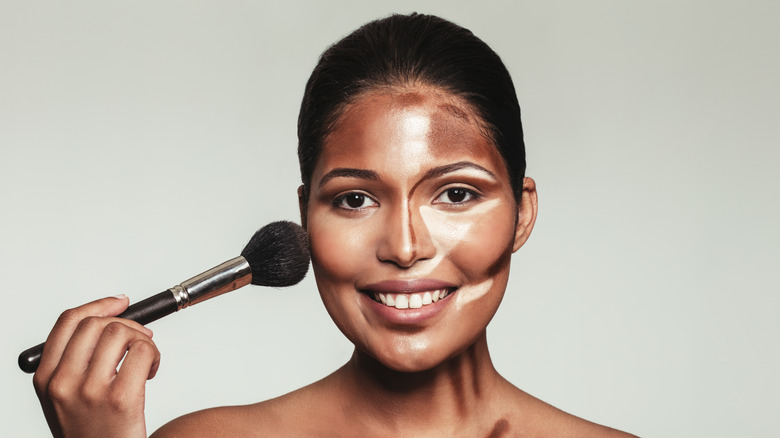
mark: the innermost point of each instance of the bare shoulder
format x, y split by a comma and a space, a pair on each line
292, 414
543, 419
214, 422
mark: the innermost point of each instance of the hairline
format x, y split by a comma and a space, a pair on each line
394, 88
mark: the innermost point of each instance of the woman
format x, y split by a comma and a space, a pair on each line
414, 197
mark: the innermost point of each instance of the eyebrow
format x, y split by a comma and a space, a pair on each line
449, 168
348, 173
370, 175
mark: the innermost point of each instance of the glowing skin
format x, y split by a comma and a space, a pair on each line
409, 196
409, 203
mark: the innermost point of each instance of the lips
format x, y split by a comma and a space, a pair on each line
407, 286
408, 294
411, 300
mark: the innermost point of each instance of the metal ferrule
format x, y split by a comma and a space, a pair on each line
180, 294
228, 276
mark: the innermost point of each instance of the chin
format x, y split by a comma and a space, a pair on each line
409, 365
416, 354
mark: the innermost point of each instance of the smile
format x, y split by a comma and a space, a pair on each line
410, 300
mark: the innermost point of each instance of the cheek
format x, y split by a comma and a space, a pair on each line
337, 250
478, 245
478, 242
338, 255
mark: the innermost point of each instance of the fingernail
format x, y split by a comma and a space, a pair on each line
120, 296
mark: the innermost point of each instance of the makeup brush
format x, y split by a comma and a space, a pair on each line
277, 256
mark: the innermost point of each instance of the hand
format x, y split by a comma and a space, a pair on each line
82, 389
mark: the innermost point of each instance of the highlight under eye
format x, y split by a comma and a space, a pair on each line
456, 195
353, 201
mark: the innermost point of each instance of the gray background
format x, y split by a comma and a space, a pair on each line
143, 142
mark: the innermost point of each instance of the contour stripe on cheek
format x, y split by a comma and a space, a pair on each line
464, 297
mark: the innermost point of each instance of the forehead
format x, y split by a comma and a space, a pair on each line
407, 125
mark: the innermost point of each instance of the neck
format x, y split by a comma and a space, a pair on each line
451, 394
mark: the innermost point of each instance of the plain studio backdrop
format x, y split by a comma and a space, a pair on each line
144, 142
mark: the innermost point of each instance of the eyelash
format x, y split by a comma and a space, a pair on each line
469, 195
342, 201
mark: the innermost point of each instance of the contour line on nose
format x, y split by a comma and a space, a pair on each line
408, 244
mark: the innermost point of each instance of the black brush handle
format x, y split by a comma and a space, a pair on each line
142, 312
152, 308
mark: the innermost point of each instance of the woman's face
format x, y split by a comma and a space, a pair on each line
412, 222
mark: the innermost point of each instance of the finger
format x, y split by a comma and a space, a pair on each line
112, 346
60, 335
140, 364
78, 352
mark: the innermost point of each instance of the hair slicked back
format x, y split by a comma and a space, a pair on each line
408, 50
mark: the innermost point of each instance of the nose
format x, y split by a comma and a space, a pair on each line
405, 238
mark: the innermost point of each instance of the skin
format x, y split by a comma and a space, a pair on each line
408, 227
81, 392
407, 188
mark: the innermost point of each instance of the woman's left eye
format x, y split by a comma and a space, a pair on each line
456, 195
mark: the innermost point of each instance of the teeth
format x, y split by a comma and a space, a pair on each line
410, 301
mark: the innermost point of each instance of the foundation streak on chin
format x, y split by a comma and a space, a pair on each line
402, 398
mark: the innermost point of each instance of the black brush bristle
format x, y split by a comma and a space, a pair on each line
278, 254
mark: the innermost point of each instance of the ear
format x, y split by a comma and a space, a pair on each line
526, 213
303, 201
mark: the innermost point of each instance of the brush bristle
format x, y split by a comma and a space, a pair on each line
278, 254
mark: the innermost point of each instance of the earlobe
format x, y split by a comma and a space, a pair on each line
526, 213
302, 203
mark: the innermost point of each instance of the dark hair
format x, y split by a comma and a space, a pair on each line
406, 50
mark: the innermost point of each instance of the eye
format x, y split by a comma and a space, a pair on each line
353, 201
456, 195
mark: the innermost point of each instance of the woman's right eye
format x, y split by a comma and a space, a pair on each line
354, 201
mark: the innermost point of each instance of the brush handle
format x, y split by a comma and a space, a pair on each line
142, 312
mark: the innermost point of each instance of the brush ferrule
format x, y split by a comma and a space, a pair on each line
181, 297
228, 276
